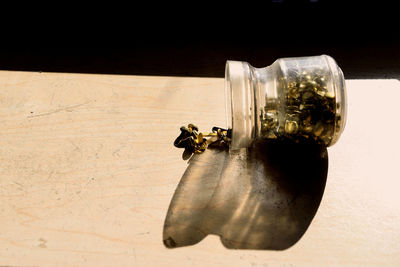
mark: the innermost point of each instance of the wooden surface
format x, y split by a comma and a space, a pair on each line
88, 170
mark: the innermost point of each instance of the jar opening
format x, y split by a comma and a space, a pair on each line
239, 103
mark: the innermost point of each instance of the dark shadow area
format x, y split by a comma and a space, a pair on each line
362, 37
259, 198
203, 58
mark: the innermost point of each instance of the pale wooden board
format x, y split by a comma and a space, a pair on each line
88, 170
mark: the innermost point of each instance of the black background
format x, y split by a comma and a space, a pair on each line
196, 40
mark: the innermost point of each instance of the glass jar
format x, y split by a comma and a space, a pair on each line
300, 98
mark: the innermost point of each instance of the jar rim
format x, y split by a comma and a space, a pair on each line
239, 103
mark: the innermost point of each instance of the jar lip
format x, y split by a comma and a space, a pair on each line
239, 103
228, 96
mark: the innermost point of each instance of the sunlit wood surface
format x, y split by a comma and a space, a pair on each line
88, 171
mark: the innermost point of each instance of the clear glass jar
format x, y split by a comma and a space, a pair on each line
301, 98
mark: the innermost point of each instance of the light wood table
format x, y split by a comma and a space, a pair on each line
88, 170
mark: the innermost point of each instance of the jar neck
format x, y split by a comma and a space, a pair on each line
263, 86
245, 88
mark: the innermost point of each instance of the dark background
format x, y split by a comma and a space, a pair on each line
196, 40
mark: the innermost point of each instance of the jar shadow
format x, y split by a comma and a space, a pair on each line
264, 197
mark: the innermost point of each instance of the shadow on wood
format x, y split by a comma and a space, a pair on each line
264, 197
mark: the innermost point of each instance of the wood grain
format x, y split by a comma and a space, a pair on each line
88, 170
